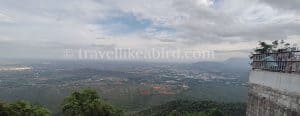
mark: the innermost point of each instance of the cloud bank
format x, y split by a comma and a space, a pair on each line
223, 25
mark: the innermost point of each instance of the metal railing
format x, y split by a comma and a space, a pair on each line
278, 62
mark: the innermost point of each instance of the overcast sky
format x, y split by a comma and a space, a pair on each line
44, 28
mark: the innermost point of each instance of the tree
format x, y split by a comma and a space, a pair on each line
175, 113
4, 109
264, 47
276, 46
22, 108
211, 112
215, 112
87, 103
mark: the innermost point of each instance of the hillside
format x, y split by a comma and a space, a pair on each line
184, 106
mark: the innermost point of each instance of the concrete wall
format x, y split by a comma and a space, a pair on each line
287, 82
273, 94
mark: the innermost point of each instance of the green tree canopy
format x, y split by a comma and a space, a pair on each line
215, 112
275, 46
87, 103
212, 112
22, 108
4, 109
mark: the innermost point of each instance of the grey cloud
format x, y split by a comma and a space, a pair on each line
215, 25
293, 5
167, 40
234, 51
59, 24
103, 46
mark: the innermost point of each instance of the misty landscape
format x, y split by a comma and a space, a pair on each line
133, 86
149, 58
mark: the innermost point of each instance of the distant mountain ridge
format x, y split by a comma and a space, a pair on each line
232, 64
243, 63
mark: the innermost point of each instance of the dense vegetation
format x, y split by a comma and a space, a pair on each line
275, 46
22, 108
212, 112
196, 108
88, 103
79, 103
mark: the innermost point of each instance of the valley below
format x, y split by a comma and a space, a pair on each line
131, 86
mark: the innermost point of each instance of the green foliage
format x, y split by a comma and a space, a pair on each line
82, 103
174, 113
264, 47
4, 109
215, 112
275, 46
196, 108
212, 112
87, 103
189, 114
22, 108
195, 114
